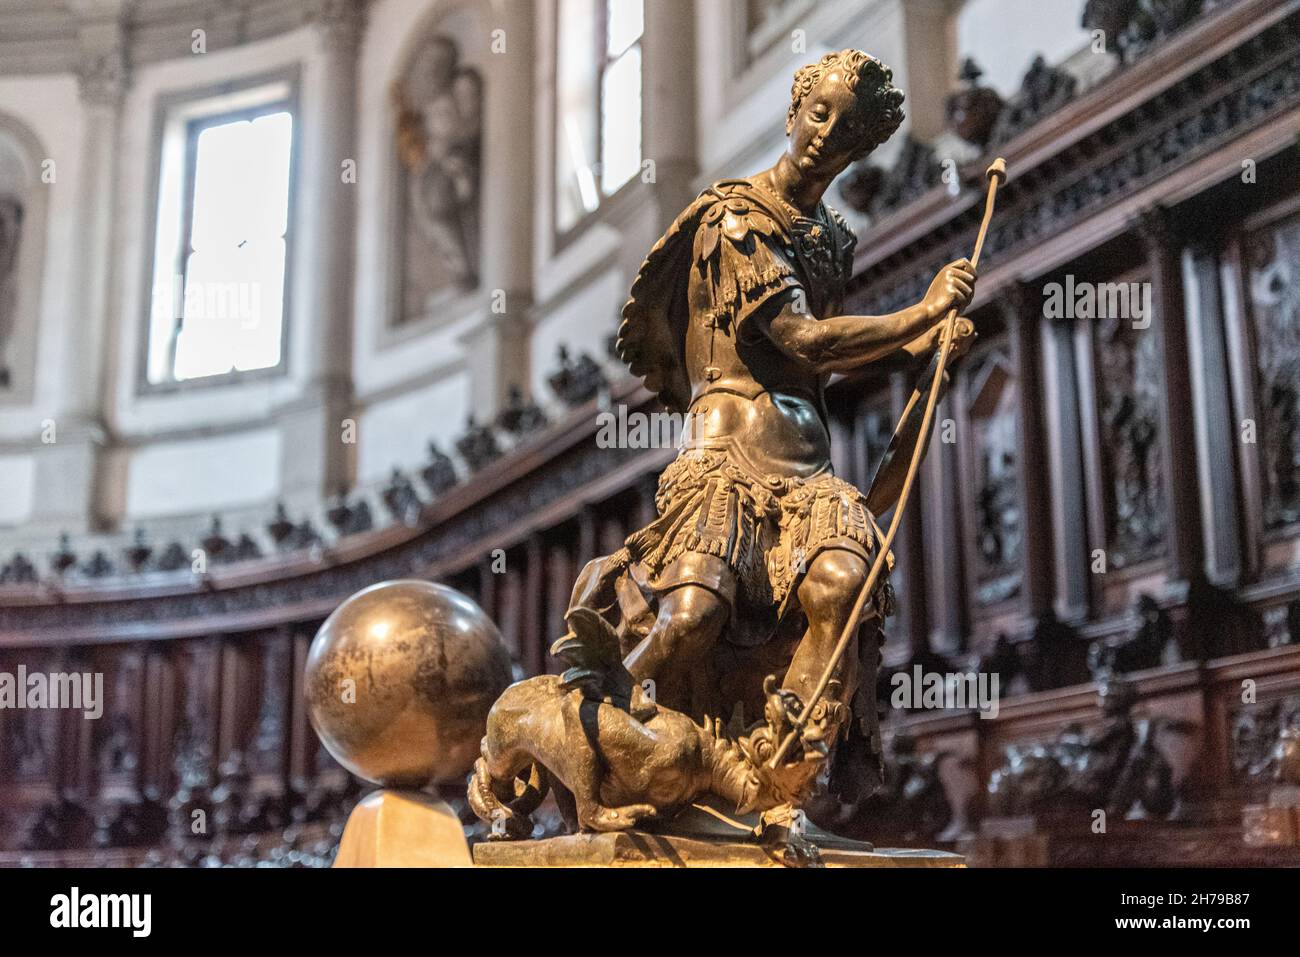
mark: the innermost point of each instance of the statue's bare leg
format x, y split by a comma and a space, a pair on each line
827, 594
690, 621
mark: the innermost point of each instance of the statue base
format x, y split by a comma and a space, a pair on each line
705, 834
644, 849
390, 828
403, 829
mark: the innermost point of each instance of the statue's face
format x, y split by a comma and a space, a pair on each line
828, 128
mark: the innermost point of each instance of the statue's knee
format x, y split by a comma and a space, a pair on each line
693, 617
834, 580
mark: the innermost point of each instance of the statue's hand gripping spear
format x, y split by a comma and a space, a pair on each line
996, 174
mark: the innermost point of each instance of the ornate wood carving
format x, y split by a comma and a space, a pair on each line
118, 735
914, 172
1273, 285
974, 110
267, 751
194, 737
521, 416
1044, 90
478, 446
1127, 361
994, 482
1235, 92
30, 743
1134, 26
1256, 731
576, 381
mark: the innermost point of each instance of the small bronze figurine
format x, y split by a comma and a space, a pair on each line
734, 599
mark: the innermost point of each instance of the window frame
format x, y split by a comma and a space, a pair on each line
166, 106
561, 236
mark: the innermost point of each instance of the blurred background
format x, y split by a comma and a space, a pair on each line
301, 295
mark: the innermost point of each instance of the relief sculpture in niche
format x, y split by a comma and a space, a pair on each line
998, 536
1128, 385
1275, 304
438, 103
11, 223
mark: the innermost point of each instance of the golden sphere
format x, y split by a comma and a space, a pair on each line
399, 681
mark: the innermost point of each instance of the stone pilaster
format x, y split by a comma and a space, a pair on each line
496, 349
70, 470
318, 457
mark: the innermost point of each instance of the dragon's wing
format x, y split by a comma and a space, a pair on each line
652, 337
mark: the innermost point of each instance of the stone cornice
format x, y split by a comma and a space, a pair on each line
42, 36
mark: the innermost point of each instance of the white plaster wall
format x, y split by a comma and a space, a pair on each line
17, 489
204, 474
582, 320
36, 475
396, 431
1004, 36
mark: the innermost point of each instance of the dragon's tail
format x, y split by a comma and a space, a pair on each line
507, 804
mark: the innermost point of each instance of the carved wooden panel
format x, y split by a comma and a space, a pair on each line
990, 483
118, 735
510, 601
1126, 360
875, 427
1273, 288
30, 742
195, 733
1255, 731
863, 448
274, 684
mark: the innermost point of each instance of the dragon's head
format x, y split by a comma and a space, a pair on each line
791, 781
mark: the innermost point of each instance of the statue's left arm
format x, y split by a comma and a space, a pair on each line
847, 343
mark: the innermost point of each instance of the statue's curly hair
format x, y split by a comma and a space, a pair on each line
872, 83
